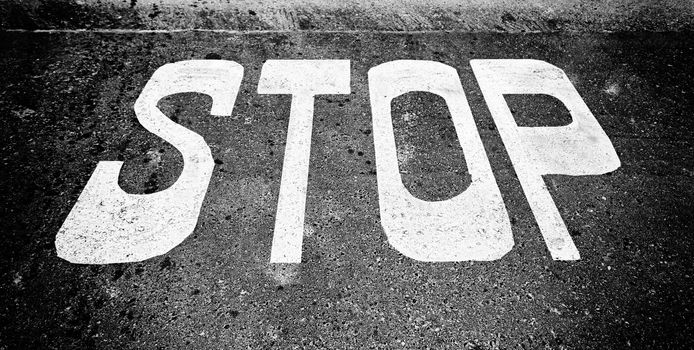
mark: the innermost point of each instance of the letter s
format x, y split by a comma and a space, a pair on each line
108, 225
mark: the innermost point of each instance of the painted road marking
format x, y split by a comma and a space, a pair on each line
107, 225
473, 225
580, 148
303, 79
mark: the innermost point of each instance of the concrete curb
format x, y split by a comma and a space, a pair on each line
385, 15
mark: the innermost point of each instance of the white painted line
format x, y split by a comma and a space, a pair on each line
108, 225
473, 225
580, 148
274, 31
303, 79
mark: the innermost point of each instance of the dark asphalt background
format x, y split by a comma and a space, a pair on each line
66, 103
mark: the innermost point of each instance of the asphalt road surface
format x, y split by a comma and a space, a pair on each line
66, 100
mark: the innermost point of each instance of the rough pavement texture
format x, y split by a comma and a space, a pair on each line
389, 15
67, 103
